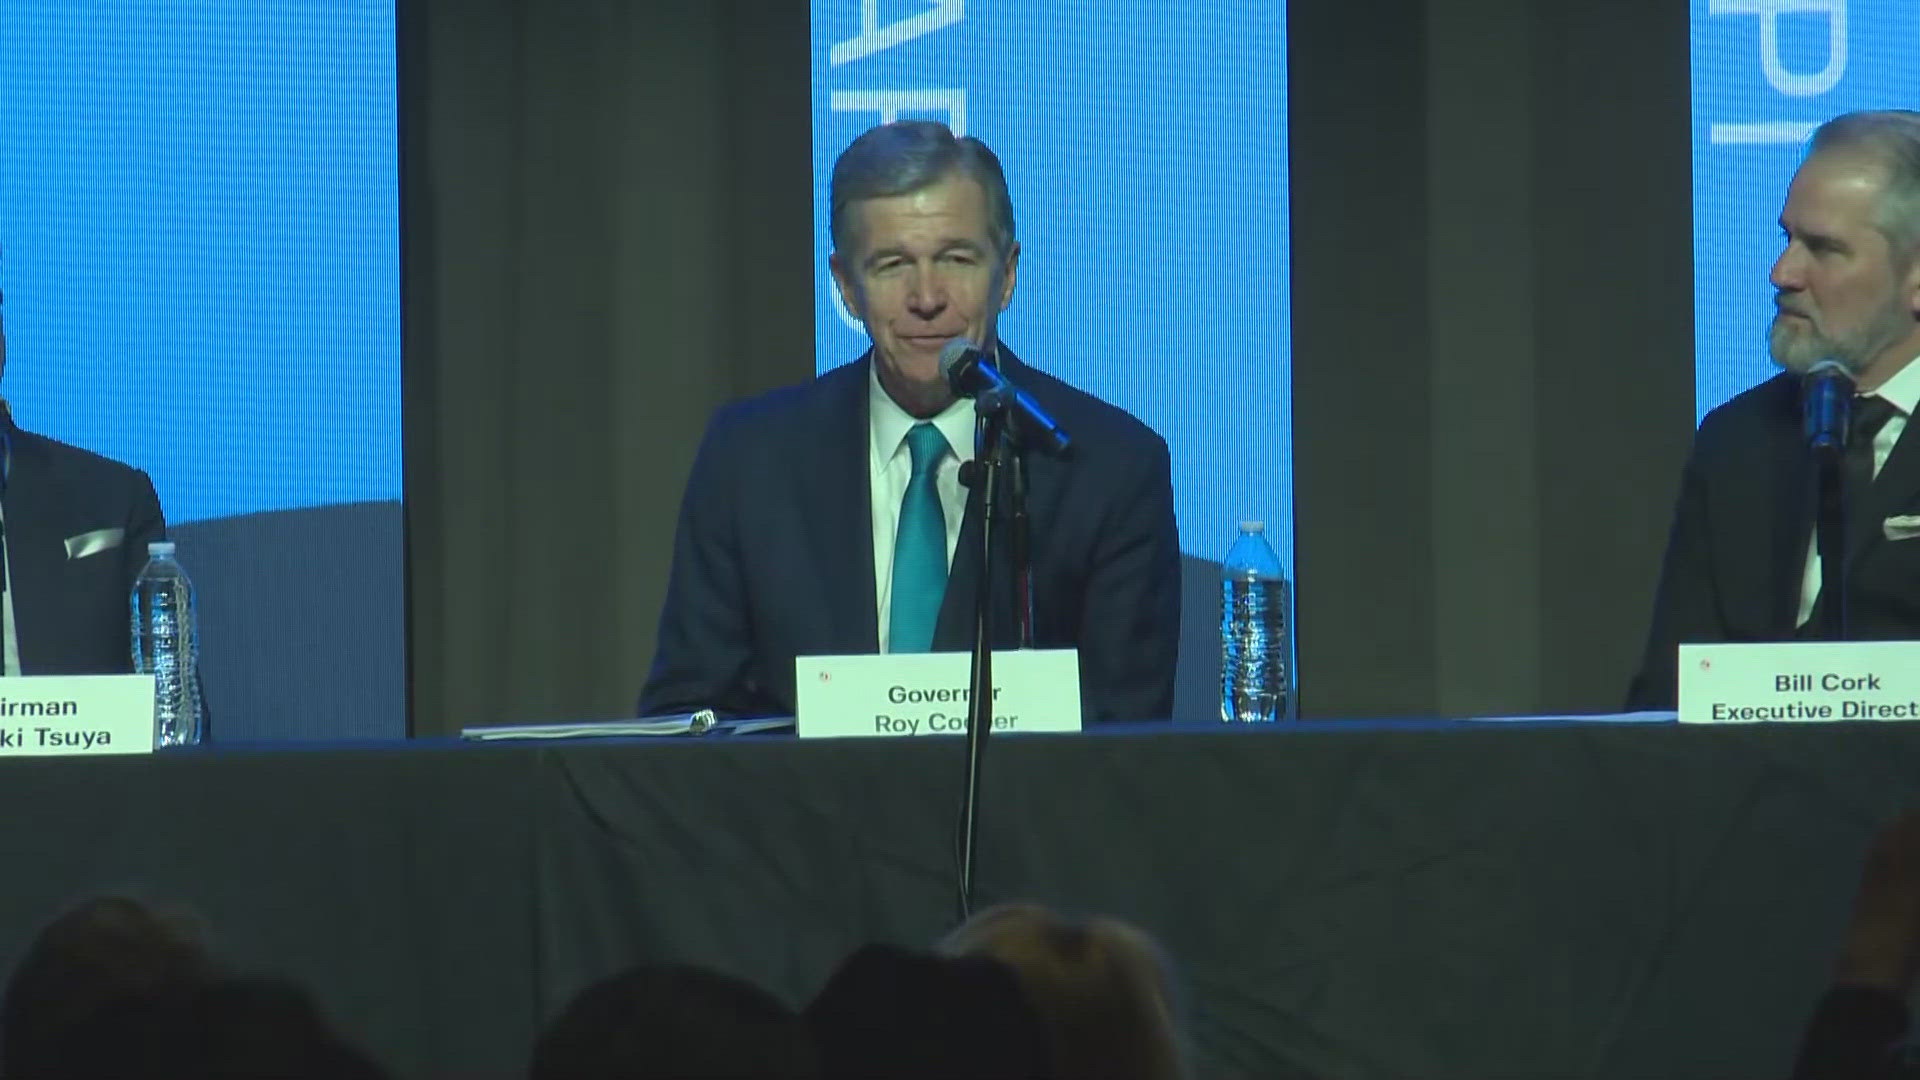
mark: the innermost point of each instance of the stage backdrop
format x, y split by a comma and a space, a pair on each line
1146, 150
199, 217
1765, 74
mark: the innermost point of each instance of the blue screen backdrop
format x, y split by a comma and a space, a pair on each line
1146, 149
199, 221
199, 210
1765, 74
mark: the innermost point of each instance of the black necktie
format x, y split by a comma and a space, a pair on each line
1870, 414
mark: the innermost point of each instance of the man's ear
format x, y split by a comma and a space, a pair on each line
843, 279
1909, 279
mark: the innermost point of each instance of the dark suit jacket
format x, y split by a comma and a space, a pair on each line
1738, 549
774, 554
71, 614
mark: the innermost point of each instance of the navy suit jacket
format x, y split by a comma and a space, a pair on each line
1737, 553
774, 554
72, 614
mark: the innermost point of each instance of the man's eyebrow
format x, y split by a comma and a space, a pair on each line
956, 244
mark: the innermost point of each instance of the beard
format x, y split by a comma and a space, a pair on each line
1798, 343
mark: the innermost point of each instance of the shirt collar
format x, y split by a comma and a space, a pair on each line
889, 423
1903, 390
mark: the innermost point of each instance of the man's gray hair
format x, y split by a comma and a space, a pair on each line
907, 155
1890, 137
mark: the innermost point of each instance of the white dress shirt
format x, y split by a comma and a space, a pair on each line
890, 466
1903, 393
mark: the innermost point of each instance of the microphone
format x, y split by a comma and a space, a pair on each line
1826, 403
971, 374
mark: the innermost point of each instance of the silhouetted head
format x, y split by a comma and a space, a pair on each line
891, 1012
92, 955
672, 1021
1101, 986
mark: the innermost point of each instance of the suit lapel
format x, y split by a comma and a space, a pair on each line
1793, 476
838, 517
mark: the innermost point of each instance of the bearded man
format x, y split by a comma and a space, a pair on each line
1742, 563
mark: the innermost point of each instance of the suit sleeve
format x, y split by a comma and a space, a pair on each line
1130, 628
704, 647
1686, 606
145, 523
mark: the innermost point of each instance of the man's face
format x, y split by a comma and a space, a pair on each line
921, 270
1839, 291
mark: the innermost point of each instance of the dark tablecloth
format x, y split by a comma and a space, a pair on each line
1346, 900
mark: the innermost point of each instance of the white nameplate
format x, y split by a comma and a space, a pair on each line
76, 714
1800, 680
927, 694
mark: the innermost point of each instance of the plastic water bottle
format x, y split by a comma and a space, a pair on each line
1255, 650
165, 646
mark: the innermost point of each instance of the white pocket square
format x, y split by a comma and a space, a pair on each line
1902, 526
95, 542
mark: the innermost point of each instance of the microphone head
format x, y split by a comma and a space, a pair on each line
953, 356
1826, 369
1826, 407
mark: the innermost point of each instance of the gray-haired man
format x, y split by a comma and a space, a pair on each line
1742, 564
829, 518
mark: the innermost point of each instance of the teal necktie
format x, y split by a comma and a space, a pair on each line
919, 548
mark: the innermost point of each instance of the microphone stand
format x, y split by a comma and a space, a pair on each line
1019, 543
1831, 539
1827, 401
989, 442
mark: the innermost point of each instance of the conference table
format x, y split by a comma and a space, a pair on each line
1340, 899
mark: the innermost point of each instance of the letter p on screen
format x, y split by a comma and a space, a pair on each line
1791, 83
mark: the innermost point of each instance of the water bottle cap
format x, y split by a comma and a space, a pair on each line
1253, 526
159, 547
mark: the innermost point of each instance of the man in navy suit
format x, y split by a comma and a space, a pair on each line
1741, 563
829, 518
76, 531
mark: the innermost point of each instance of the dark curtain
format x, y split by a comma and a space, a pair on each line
1492, 343
608, 233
